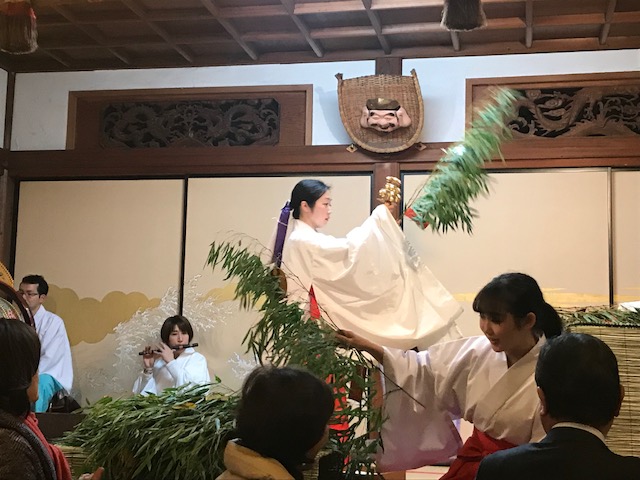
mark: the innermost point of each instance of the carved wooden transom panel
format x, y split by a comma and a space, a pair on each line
580, 112
592, 105
210, 123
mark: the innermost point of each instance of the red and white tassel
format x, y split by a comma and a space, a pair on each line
18, 33
463, 15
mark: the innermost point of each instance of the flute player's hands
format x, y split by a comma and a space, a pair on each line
166, 352
148, 357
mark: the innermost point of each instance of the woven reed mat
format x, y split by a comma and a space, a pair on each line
624, 436
77, 459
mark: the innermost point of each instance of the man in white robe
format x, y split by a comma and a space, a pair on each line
56, 370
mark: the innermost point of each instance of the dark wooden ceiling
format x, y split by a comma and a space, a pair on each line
110, 34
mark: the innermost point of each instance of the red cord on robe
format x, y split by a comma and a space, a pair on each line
63, 472
339, 424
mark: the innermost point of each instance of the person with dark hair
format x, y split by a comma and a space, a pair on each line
364, 279
487, 380
580, 395
25, 452
56, 369
172, 363
281, 424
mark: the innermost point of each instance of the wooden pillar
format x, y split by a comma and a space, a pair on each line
380, 172
389, 66
7, 185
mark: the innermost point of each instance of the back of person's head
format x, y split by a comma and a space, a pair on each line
283, 414
43, 286
19, 358
578, 374
306, 191
518, 294
177, 320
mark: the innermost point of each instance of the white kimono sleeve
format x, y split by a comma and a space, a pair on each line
417, 430
145, 383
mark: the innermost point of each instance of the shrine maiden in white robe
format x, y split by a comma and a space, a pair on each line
463, 378
371, 282
189, 368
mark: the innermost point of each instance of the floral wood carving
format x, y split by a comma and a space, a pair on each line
578, 112
210, 123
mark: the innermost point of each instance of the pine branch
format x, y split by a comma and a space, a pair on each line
459, 177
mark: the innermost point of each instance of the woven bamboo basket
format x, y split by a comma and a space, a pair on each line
624, 436
353, 95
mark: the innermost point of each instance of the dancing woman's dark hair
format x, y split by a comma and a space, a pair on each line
578, 374
183, 324
518, 294
283, 413
19, 357
306, 191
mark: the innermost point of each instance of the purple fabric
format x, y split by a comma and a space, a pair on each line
281, 233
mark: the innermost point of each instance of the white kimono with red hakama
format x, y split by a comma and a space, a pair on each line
371, 282
465, 379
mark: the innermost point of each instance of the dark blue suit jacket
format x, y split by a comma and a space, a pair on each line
566, 453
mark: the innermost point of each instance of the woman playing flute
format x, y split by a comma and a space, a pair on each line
176, 363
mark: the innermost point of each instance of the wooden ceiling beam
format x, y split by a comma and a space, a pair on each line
528, 20
504, 23
211, 6
315, 46
377, 3
92, 33
344, 32
608, 16
139, 11
369, 31
395, 4
343, 6
375, 22
254, 11
400, 28
570, 20
171, 15
61, 58
272, 36
6, 63
20, 65
64, 44
455, 40
626, 17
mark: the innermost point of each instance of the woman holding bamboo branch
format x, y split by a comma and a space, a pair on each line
487, 380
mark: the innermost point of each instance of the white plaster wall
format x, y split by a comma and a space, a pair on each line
40, 112
41, 99
442, 80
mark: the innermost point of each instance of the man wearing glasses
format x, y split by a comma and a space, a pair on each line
56, 371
